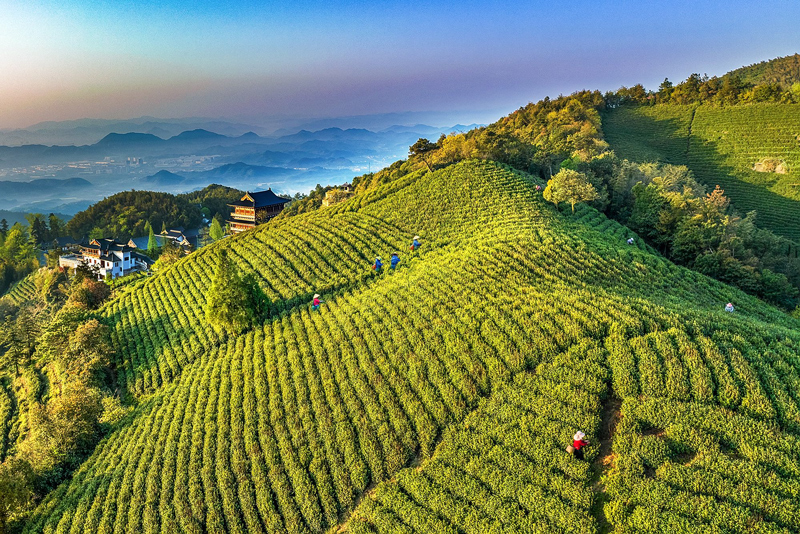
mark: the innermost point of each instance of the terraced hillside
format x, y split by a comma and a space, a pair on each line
751, 151
23, 290
440, 397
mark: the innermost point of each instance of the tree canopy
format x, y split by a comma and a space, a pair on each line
124, 215
234, 302
569, 186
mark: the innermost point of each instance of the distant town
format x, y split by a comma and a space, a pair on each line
134, 165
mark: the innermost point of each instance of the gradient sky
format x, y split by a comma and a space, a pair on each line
248, 60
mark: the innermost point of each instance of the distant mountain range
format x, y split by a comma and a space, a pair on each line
89, 131
331, 141
43, 178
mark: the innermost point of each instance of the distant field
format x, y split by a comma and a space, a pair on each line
658, 133
723, 146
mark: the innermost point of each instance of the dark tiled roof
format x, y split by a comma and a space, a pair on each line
142, 257
141, 242
107, 245
261, 199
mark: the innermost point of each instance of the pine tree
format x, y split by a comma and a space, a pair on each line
152, 244
216, 232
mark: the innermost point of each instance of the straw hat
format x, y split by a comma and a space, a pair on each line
579, 435
416, 237
316, 295
378, 258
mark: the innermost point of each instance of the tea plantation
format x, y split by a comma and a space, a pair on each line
440, 397
751, 151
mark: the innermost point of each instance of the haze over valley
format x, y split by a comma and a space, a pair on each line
66, 177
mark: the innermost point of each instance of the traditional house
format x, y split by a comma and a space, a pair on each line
183, 238
106, 256
255, 208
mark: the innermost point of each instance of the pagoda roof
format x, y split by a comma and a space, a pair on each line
260, 199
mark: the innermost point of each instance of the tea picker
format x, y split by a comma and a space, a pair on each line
578, 443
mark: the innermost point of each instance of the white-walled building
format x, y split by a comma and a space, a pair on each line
107, 256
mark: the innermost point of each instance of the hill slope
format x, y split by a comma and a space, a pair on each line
510, 328
725, 146
784, 71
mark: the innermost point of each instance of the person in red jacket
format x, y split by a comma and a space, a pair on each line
578, 443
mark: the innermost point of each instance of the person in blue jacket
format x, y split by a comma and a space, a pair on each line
377, 265
395, 260
415, 243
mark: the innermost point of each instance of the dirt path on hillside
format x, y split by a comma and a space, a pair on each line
604, 462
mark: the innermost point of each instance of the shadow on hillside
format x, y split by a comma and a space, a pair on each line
648, 139
706, 161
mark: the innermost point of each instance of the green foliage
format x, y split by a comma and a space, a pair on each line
214, 200
16, 490
421, 150
17, 256
215, 231
707, 439
745, 149
124, 215
88, 292
152, 244
233, 303
569, 186
504, 469
783, 71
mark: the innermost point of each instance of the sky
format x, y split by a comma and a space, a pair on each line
252, 60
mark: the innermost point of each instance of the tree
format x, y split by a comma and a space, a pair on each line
38, 228
16, 490
423, 149
216, 232
89, 351
53, 255
89, 292
3, 227
164, 228
233, 303
152, 244
56, 226
64, 429
170, 253
569, 186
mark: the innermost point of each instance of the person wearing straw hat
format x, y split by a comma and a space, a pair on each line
729, 307
377, 265
578, 443
315, 304
394, 261
415, 243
